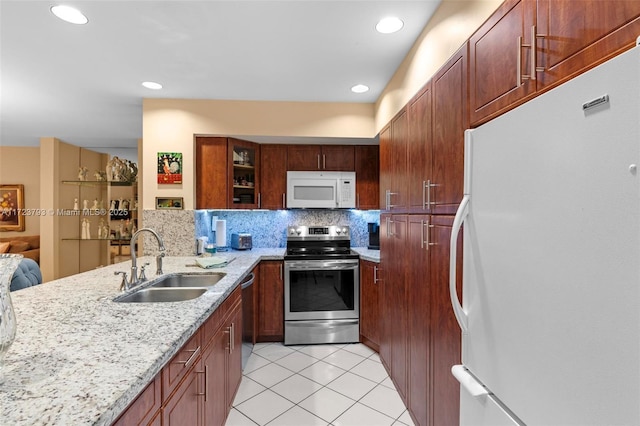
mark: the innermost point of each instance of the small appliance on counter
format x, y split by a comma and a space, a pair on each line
241, 241
374, 236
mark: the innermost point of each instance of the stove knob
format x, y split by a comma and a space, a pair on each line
345, 231
298, 231
292, 231
338, 231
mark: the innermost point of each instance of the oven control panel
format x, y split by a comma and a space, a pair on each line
321, 232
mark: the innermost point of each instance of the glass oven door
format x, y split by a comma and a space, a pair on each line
321, 289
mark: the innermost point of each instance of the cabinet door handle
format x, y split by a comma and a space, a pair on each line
532, 58
232, 334
318, 161
358, 200
519, 63
284, 205
389, 232
324, 161
259, 199
388, 195
281, 276
206, 382
424, 197
194, 355
228, 333
534, 38
375, 275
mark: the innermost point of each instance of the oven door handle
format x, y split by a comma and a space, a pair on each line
321, 264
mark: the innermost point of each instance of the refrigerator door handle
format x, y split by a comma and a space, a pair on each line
467, 381
461, 215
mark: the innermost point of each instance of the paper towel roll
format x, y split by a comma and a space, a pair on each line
221, 233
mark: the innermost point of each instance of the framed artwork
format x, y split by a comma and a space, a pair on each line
169, 167
169, 203
11, 208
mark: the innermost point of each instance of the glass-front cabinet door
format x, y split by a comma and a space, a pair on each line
244, 176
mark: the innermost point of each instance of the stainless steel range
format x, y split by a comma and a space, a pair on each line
321, 286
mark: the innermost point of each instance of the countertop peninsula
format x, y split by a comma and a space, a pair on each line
80, 358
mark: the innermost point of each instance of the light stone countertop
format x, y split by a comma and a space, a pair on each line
80, 359
367, 254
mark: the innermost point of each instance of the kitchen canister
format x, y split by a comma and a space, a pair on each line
8, 264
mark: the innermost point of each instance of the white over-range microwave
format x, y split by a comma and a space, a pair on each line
321, 190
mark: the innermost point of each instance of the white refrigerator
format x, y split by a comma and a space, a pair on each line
550, 311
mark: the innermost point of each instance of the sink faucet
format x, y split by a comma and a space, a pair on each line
134, 267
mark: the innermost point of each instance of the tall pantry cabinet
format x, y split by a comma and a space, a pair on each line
426, 139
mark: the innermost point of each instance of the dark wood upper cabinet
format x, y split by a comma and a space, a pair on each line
304, 157
393, 164
367, 167
385, 165
450, 120
340, 158
211, 173
420, 147
273, 176
529, 46
320, 157
574, 36
244, 174
499, 61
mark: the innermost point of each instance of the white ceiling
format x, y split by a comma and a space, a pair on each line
82, 83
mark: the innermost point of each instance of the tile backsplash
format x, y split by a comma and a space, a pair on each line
268, 228
180, 228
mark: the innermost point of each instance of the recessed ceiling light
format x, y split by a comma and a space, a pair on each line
152, 85
389, 25
360, 88
69, 14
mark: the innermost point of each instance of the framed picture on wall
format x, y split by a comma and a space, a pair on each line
11, 208
169, 167
169, 203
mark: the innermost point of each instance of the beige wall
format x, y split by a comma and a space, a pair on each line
452, 24
170, 124
21, 165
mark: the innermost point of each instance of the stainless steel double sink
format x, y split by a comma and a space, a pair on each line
173, 288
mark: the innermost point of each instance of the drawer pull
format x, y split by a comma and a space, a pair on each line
194, 355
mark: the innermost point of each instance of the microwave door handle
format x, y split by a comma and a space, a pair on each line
338, 193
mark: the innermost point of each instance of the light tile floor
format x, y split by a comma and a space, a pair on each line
323, 385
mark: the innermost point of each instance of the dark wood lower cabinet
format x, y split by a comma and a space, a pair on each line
369, 305
185, 405
270, 302
415, 260
146, 408
446, 338
214, 360
198, 385
222, 368
393, 301
418, 280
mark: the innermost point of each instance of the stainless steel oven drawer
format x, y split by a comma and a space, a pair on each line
321, 331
